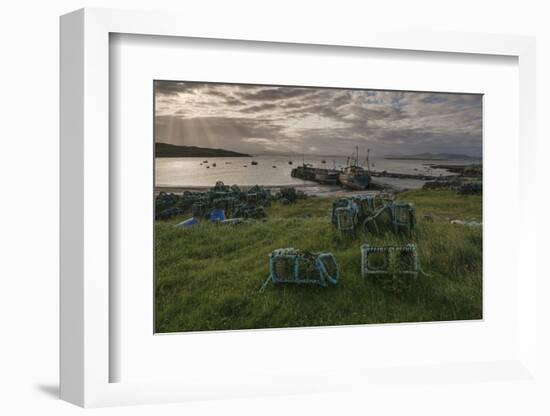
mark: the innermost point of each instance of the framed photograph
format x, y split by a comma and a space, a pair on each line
343, 198
273, 214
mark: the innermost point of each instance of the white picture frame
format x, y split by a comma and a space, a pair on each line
85, 213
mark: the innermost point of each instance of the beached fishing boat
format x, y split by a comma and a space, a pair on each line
354, 176
253, 162
328, 177
309, 173
306, 171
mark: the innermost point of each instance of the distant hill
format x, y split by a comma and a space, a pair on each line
171, 150
433, 156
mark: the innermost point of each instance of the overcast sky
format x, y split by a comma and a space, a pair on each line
262, 119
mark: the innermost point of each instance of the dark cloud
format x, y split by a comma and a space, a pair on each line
171, 88
259, 108
272, 93
175, 89
434, 98
233, 101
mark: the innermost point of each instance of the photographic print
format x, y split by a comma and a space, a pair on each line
292, 206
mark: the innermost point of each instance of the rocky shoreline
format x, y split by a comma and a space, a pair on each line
467, 179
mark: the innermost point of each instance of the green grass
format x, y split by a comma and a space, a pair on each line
207, 278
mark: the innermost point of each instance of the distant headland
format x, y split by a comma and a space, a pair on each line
171, 150
433, 156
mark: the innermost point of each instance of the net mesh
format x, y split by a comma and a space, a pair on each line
395, 267
374, 214
297, 266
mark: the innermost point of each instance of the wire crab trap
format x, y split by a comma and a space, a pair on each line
369, 204
229, 204
396, 266
258, 195
290, 265
374, 214
199, 209
399, 217
345, 214
389, 260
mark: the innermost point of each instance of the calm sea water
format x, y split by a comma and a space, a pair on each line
274, 170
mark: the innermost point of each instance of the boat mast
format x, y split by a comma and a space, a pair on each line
368, 163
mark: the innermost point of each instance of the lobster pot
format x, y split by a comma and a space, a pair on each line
404, 217
229, 204
232, 204
345, 214
249, 211
380, 222
339, 203
389, 260
397, 217
369, 203
294, 266
199, 209
258, 195
220, 187
346, 219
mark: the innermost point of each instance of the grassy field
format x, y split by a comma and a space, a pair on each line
207, 278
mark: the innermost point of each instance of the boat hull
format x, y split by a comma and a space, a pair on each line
327, 178
356, 182
323, 176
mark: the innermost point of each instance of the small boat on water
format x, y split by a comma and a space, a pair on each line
253, 162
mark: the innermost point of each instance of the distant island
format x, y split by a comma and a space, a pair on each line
171, 150
433, 156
